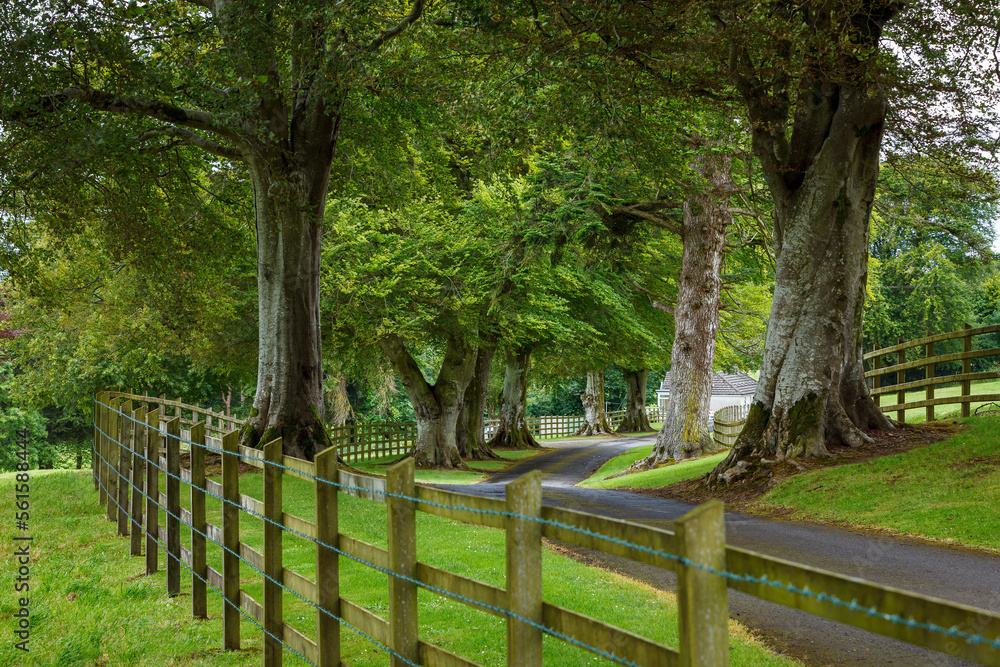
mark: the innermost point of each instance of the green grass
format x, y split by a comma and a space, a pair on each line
657, 477
91, 604
919, 415
948, 490
479, 470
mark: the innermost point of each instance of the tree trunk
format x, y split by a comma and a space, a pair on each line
684, 433
595, 416
512, 431
636, 420
812, 391
436, 406
340, 402
469, 436
289, 203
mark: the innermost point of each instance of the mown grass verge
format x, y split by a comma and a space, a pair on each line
948, 490
92, 605
648, 479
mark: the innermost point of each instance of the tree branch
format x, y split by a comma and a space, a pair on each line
648, 211
415, 12
654, 301
123, 104
190, 138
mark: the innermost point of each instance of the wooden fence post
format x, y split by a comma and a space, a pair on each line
173, 518
98, 415
199, 524
231, 541
111, 460
138, 445
273, 576
702, 596
327, 561
900, 379
929, 375
402, 560
152, 490
877, 383
125, 454
966, 369
524, 570
100, 419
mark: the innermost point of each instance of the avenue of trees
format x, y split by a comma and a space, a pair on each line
309, 212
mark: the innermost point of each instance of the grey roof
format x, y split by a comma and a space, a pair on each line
724, 384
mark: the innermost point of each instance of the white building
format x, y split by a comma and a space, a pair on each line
727, 389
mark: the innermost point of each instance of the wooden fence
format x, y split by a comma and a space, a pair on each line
728, 422
560, 426
927, 361
364, 442
132, 447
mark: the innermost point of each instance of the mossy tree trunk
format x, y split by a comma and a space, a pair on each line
289, 202
437, 407
595, 416
636, 420
339, 402
469, 437
706, 218
812, 391
512, 431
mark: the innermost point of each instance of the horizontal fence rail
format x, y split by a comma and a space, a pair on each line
133, 448
557, 426
728, 422
928, 361
363, 442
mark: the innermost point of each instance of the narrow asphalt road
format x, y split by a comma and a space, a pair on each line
949, 573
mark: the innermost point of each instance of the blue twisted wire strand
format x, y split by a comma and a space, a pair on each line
243, 560
188, 567
440, 591
853, 605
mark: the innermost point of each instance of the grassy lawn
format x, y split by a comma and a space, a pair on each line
479, 470
662, 476
919, 415
948, 490
91, 604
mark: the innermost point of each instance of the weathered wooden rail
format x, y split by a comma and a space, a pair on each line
364, 442
131, 451
557, 426
728, 422
928, 361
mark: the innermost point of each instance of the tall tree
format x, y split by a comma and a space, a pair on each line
595, 413
705, 222
635, 420
406, 280
818, 107
264, 82
816, 81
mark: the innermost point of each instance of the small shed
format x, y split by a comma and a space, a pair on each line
727, 389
